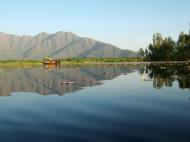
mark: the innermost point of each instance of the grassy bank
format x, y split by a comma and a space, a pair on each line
69, 61
20, 63
96, 60
85, 62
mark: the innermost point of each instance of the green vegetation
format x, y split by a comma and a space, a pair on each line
96, 60
72, 61
19, 63
166, 49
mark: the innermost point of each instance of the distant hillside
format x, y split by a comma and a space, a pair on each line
58, 45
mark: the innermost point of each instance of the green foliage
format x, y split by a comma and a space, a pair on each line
183, 47
166, 49
141, 52
20, 63
28, 63
108, 59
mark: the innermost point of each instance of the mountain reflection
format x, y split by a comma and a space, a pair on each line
48, 81
167, 74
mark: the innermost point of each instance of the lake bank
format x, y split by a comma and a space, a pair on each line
26, 64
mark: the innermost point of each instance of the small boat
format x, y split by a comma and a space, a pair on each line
50, 61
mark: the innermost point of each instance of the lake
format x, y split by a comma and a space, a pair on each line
103, 104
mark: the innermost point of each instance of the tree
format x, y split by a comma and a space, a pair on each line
183, 46
141, 52
168, 49
161, 48
157, 40
165, 49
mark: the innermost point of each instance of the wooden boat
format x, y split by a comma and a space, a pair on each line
50, 61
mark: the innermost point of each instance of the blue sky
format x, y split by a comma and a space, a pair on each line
128, 24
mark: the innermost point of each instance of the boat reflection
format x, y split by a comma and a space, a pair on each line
51, 66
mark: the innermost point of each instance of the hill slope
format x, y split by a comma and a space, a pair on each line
58, 45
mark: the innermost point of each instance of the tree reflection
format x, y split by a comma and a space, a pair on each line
166, 74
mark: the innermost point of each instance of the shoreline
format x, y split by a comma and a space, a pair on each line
27, 64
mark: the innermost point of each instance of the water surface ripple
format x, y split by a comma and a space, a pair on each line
107, 104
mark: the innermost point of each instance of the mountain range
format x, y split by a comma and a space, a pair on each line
57, 45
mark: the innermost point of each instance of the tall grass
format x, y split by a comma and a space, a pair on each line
67, 61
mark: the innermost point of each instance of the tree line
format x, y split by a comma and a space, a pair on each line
166, 49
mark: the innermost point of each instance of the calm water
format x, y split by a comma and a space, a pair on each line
107, 104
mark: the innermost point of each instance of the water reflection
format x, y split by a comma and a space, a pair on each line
47, 81
167, 74
124, 109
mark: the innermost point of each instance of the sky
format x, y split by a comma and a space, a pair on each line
127, 24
